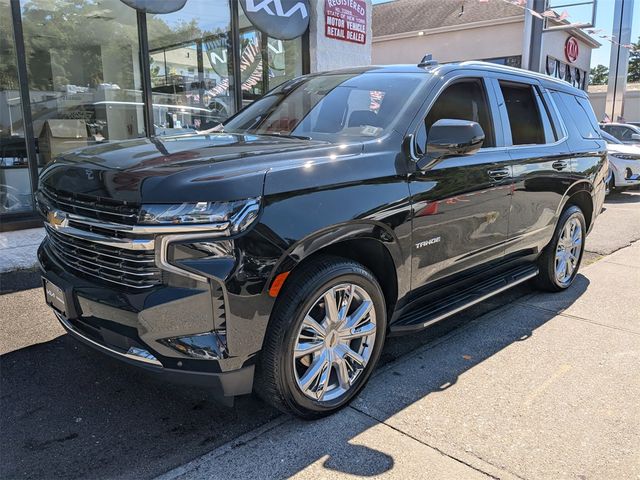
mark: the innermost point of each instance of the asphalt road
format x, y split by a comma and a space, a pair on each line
69, 412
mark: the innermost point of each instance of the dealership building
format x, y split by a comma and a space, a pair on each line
88, 72
459, 31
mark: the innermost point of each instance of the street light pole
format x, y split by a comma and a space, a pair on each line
619, 59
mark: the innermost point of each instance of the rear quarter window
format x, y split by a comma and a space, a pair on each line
578, 111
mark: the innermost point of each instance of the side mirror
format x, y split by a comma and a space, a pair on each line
449, 137
635, 136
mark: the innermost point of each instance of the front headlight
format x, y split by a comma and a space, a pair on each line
239, 214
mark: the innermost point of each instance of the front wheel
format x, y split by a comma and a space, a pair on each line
324, 339
560, 260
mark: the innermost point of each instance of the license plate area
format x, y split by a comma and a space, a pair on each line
59, 297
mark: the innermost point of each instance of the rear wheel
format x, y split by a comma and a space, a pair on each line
560, 261
324, 338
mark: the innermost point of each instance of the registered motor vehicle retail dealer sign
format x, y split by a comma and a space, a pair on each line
346, 20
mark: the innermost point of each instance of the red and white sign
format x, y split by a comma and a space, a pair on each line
346, 20
571, 49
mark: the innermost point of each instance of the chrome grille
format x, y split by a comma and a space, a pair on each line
92, 207
124, 267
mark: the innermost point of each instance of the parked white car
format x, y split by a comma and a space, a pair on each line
627, 133
624, 163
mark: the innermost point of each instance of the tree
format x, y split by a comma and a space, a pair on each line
634, 63
599, 75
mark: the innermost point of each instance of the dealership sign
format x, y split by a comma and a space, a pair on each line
281, 19
346, 20
571, 49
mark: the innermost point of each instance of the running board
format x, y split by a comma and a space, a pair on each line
429, 314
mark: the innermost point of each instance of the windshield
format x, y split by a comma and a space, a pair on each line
326, 107
609, 138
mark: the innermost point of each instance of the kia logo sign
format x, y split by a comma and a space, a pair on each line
281, 19
155, 6
571, 49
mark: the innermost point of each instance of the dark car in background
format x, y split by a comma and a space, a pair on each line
277, 254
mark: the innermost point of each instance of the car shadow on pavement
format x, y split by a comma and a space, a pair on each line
626, 196
395, 387
70, 412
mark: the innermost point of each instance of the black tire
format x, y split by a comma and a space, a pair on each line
546, 279
275, 377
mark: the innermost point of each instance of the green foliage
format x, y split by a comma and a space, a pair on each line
8, 69
634, 63
599, 75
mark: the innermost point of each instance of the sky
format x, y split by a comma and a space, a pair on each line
604, 21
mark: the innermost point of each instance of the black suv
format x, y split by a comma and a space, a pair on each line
277, 253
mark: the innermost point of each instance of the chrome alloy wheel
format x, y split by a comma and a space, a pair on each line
334, 342
568, 251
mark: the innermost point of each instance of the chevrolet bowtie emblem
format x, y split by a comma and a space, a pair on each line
56, 218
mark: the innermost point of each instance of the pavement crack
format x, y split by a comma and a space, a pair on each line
575, 317
440, 451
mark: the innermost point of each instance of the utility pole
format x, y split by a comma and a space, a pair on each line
619, 59
532, 36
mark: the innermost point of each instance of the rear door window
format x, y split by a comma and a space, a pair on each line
528, 117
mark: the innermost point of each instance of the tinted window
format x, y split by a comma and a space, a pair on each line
330, 106
580, 114
464, 100
525, 119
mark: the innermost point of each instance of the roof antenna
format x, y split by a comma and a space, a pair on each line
428, 61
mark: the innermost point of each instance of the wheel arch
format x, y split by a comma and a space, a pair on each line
370, 244
580, 194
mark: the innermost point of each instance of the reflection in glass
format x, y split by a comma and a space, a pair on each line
283, 59
15, 183
84, 73
191, 71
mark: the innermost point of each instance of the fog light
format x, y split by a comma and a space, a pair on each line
143, 355
204, 346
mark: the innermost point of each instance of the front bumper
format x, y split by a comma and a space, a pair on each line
626, 172
130, 326
228, 384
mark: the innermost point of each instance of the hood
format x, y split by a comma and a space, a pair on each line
186, 168
614, 148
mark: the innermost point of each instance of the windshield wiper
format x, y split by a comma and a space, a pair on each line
283, 135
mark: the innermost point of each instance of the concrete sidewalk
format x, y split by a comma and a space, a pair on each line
545, 388
18, 249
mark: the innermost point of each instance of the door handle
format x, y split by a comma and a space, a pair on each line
499, 174
559, 165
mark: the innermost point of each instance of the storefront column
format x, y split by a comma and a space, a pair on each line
330, 53
24, 94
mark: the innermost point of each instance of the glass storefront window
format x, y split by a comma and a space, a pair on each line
86, 78
283, 60
191, 69
84, 73
15, 182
